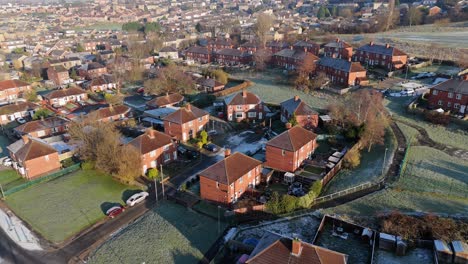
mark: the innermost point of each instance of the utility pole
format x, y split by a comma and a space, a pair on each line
155, 189
162, 180
383, 164
1, 190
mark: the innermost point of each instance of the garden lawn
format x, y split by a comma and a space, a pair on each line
408, 132
370, 168
433, 182
168, 234
10, 178
60, 208
452, 135
272, 87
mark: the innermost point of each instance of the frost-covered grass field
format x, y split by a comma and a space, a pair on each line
304, 227
168, 234
370, 168
452, 135
271, 87
417, 255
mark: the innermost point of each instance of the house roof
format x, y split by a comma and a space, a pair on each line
17, 107
64, 92
59, 68
342, 65
209, 82
150, 140
453, 85
338, 44
168, 49
233, 52
8, 84
101, 80
185, 114
107, 112
292, 139
294, 54
243, 98
305, 43
198, 49
33, 148
280, 252
167, 99
93, 66
231, 168
297, 107
381, 49
38, 125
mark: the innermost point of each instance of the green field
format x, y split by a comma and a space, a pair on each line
370, 168
60, 208
271, 88
168, 234
10, 178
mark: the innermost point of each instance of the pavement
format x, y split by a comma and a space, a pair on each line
78, 249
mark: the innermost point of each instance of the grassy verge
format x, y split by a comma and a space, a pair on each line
10, 178
60, 208
168, 234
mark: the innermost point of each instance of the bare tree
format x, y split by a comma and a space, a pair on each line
391, 8
170, 79
262, 27
261, 58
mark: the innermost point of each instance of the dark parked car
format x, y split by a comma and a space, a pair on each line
211, 147
192, 154
115, 211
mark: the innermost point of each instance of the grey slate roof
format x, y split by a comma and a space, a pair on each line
453, 85
292, 106
381, 49
340, 64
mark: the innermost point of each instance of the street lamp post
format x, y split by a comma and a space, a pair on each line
155, 189
162, 180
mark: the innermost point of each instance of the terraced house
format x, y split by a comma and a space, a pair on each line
232, 57
10, 90
287, 151
343, 72
244, 106
198, 54
9, 113
154, 148
451, 95
227, 180
384, 56
307, 46
338, 49
186, 122
292, 59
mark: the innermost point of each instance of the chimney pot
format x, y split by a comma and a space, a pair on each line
151, 133
227, 152
387, 45
296, 98
296, 247
189, 107
288, 125
25, 139
372, 43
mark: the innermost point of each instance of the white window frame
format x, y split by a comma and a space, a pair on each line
459, 96
440, 102
450, 95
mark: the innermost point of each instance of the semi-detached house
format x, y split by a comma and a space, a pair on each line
244, 106
186, 122
10, 90
385, 56
61, 97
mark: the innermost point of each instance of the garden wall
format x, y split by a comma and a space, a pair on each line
248, 209
246, 84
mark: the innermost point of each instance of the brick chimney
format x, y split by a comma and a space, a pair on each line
296, 98
337, 40
188, 107
167, 93
227, 152
151, 133
387, 46
291, 47
288, 125
244, 93
25, 139
296, 247
372, 43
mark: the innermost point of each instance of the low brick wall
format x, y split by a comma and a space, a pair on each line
248, 209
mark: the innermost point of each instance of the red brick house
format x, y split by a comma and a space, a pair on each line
307, 46
43, 127
9, 113
111, 113
10, 90
155, 148
292, 59
384, 56
92, 70
186, 122
276, 46
61, 97
451, 95
338, 49
34, 157
220, 43
165, 101
288, 150
58, 75
227, 180
250, 47
286, 251
305, 115
244, 106
232, 57
198, 54
343, 72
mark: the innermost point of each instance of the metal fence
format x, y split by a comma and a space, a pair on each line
46, 178
366, 185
